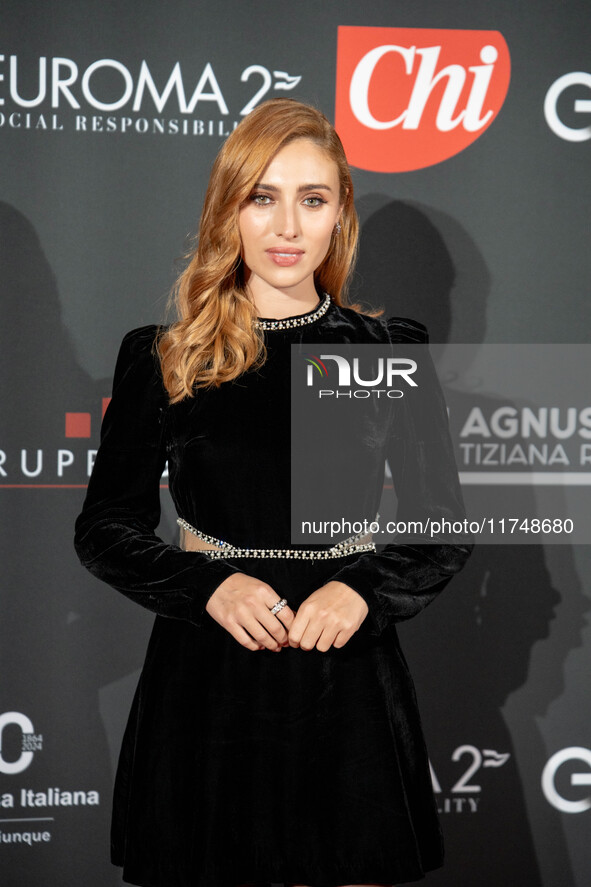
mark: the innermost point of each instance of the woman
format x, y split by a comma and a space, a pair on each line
238, 767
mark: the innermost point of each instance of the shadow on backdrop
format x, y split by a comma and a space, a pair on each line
471, 648
65, 636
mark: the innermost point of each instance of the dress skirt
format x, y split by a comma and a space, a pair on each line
293, 766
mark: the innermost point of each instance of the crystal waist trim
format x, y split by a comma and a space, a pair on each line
225, 549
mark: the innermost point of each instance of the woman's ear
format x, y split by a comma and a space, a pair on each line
342, 206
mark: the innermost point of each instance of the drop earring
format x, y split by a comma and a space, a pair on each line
338, 227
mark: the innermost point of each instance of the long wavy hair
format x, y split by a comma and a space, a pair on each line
215, 338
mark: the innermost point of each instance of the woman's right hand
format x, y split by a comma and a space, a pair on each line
242, 605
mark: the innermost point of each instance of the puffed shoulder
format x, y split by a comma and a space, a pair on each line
138, 356
403, 329
139, 398
379, 329
141, 340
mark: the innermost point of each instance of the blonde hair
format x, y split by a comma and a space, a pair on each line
214, 339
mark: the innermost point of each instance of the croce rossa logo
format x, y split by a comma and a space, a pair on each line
407, 98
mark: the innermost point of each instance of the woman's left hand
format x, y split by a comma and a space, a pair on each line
329, 617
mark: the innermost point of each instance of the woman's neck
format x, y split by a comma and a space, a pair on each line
277, 305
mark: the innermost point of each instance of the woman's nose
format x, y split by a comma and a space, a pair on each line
287, 223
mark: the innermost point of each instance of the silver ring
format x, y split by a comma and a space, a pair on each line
279, 606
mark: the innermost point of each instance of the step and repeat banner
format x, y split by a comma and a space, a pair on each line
468, 127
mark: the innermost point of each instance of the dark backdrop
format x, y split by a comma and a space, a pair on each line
488, 245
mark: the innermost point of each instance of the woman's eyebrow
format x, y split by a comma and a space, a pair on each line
274, 189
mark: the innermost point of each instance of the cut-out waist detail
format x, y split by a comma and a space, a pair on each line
189, 542
192, 539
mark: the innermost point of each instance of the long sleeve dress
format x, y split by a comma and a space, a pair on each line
263, 767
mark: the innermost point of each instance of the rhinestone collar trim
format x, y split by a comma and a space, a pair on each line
302, 320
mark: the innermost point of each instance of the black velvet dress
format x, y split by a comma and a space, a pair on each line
241, 766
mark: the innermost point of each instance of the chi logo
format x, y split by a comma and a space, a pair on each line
408, 98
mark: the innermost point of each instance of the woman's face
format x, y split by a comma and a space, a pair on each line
288, 220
